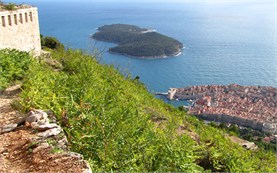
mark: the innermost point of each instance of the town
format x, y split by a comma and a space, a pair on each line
249, 106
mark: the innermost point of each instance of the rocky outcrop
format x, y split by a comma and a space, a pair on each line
36, 143
243, 143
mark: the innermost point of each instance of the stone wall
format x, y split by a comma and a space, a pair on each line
19, 29
266, 127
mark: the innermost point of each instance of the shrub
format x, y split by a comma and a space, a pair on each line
51, 42
13, 66
10, 6
42, 41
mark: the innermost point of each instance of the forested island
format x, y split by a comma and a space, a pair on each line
138, 42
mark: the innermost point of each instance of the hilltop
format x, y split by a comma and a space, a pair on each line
138, 42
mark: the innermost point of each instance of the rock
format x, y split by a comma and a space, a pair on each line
31, 119
63, 143
8, 128
42, 117
44, 127
41, 147
13, 88
34, 125
51, 116
38, 116
11, 91
20, 121
50, 132
53, 63
87, 168
249, 145
75, 155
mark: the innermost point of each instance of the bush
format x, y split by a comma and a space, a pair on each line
50, 42
9, 6
42, 41
13, 66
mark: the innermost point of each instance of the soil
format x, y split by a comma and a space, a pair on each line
22, 151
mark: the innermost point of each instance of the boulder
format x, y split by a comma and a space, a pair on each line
50, 132
38, 116
44, 127
8, 128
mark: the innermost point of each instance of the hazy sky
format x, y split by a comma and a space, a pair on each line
151, 1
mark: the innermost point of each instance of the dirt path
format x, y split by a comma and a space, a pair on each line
21, 150
7, 113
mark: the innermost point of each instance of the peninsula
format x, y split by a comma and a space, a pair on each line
138, 42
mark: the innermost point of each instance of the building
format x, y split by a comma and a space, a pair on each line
171, 93
19, 29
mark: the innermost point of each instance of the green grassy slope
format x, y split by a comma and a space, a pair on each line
118, 126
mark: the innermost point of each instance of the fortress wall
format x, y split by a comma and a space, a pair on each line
171, 93
19, 29
237, 120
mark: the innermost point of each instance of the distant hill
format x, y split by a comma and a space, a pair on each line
138, 42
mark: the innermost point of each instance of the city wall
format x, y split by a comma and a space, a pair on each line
266, 127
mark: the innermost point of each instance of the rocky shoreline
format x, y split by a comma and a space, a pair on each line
178, 53
249, 106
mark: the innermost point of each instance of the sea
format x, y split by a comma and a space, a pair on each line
225, 42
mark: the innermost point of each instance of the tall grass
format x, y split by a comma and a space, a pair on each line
118, 126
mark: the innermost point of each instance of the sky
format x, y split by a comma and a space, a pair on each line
150, 1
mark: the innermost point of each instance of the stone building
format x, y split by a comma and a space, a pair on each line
171, 93
19, 29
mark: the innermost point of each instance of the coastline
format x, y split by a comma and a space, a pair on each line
176, 54
148, 57
148, 30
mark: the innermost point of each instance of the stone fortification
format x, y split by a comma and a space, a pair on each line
19, 29
171, 93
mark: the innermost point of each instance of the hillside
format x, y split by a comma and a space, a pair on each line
138, 42
118, 126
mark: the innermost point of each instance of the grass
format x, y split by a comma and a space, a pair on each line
13, 66
119, 126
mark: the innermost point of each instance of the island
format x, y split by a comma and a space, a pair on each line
138, 42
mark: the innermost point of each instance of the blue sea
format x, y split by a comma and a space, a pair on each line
225, 42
